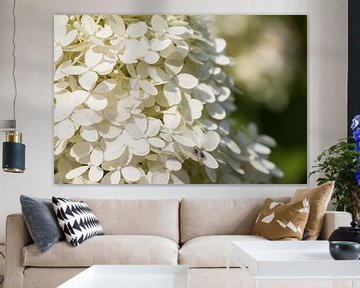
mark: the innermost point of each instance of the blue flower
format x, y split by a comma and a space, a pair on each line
357, 147
357, 176
355, 122
356, 134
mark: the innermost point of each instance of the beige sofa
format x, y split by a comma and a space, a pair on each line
194, 232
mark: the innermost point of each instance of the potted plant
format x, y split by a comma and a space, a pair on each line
341, 163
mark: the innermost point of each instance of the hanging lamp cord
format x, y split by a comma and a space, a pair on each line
14, 61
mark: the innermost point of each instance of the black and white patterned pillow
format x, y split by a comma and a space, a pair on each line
77, 220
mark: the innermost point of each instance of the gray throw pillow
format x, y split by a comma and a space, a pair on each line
41, 221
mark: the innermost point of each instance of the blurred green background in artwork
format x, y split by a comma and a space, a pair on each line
270, 68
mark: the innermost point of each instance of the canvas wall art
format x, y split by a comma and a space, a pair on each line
178, 99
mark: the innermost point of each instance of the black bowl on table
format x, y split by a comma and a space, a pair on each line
344, 250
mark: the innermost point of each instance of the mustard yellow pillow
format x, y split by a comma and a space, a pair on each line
319, 198
279, 221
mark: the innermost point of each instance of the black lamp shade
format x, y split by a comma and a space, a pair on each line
13, 157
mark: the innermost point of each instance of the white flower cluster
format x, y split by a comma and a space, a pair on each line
145, 99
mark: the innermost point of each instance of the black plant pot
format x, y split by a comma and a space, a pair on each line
343, 250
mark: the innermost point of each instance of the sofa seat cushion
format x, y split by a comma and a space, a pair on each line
108, 249
211, 251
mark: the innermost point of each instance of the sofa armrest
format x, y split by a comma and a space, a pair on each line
17, 237
333, 220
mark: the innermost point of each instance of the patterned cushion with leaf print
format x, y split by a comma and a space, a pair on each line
279, 221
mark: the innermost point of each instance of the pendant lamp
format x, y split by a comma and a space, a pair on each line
13, 159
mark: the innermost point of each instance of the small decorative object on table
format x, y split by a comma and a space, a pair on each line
341, 163
351, 233
344, 250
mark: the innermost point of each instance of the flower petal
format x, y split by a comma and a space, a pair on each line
97, 102
81, 149
64, 106
60, 146
216, 111
156, 142
73, 70
153, 127
134, 49
259, 167
92, 58
224, 94
174, 63
159, 24
104, 33
148, 87
261, 149
117, 25
140, 147
180, 177
104, 68
76, 172
114, 154
105, 86
95, 174
151, 57
131, 174
220, 45
136, 30
142, 70
221, 59
211, 173
134, 131
58, 52
88, 80
172, 93
210, 140
96, 157
116, 116
88, 23
112, 177
69, 38
79, 96
108, 131
209, 160
160, 176
60, 22
186, 81
173, 164
204, 93
232, 145
178, 30
196, 108
86, 117
158, 75
160, 43
89, 134
183, 140
172, 121
64, 130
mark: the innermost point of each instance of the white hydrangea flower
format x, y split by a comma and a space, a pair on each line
62, 38
145, 99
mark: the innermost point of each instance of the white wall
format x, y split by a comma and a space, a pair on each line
327, 88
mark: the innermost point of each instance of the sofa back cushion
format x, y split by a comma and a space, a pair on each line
158, 217
201, 217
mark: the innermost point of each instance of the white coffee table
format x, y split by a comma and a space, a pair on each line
131, 276
292, 260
